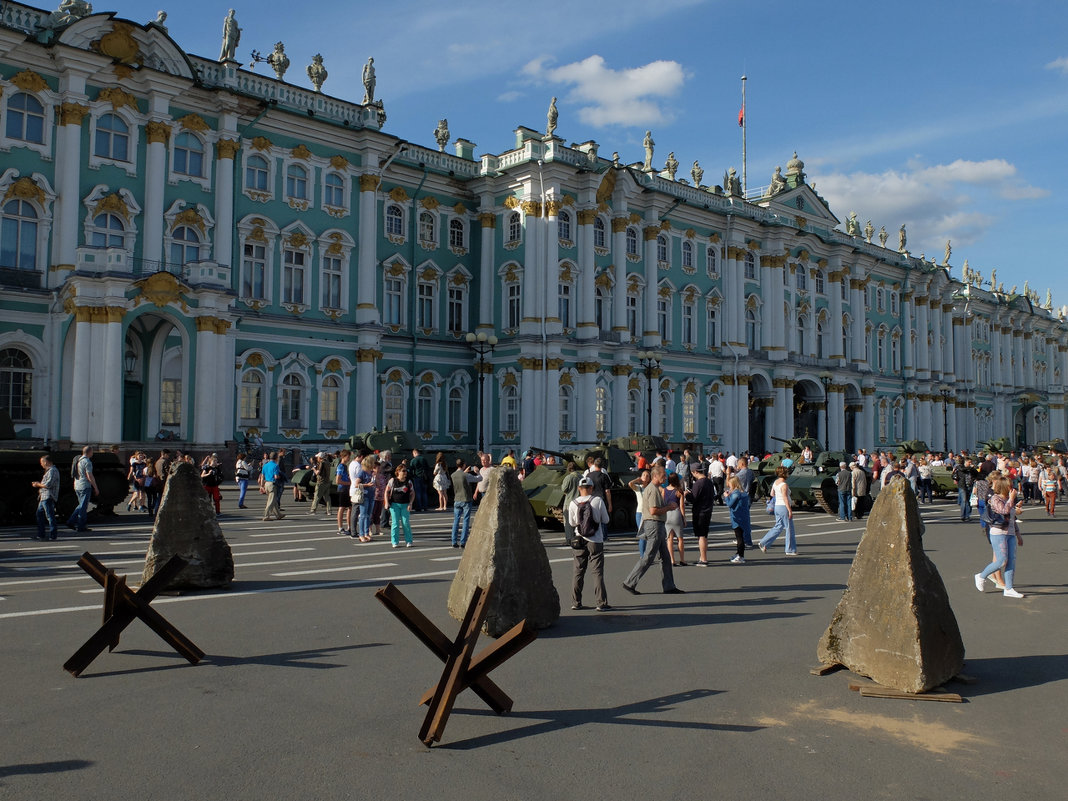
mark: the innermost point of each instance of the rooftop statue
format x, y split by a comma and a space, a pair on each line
993, 278
852, 226
615, 158
883, 236
949, 252
671, 165
161, 18
1049, 300
369, 81
278, 60
441, 135
778, 183
648, 144
550, 123
869, 231
902, 240
317, 72
69, 11
231, 37
697, 174
731, 184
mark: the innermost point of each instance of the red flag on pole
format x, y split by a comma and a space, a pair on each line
741, 117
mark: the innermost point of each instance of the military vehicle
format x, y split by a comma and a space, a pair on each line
19, 468
543, 485
813, 484
791, 452
998, 445
1055, 445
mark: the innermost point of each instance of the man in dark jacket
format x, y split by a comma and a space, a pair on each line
964, 478
701, 499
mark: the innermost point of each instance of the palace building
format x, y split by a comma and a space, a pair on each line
187, 246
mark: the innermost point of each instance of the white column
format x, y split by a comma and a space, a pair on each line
227, 382
68, 166
618, 414
773, 318
908, 361
734, 286
83, 349
533, 295
923, 352
366, 307
949, 361
835, 335
728, 411
203, 392
364, 394
528, 429
587, 324
157, 133
868, 418
860, 356
110, 379
586, 401
836, 416
225, 150
651, 332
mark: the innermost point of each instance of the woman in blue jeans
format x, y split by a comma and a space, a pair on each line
1004, 536
784, 516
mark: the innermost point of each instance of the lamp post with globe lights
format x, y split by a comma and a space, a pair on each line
482, 344
650, 362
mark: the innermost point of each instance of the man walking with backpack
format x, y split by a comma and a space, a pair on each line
588, 515
84, 487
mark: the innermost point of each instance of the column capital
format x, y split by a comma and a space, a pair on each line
369, 183
72, 113
227, 148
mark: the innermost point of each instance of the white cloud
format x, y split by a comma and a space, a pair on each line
957, 201
1059, 64
509, 97
634, 96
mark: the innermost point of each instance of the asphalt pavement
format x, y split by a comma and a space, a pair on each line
310, 688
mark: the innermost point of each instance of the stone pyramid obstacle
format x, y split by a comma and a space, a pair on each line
505, 548
894, 623
186, 525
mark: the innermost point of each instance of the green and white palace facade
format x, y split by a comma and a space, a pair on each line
188, 246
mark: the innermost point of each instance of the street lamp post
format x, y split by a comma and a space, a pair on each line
826, 378
482, 344
945, 391
650, 362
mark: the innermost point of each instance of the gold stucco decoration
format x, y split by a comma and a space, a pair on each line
333, 366
608, 185
72, 113
157, 132
254, 360
119, 44
301, 152
297, 239
257, 235
25, 189
261, 143
227, 148
509, 380
29, 81
428, 275
398, 194
369, 183
511, 202
429, 203
336, 248
112, 203
339, 162
118, 97
194, 122
395, 269
162, 289
487, 219
531, 208
189, 217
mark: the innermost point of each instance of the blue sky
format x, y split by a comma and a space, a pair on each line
949, 116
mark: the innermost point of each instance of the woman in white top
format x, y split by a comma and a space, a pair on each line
784, 516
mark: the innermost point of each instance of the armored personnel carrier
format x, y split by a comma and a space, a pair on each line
19, 468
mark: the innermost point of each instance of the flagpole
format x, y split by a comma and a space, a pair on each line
745, 182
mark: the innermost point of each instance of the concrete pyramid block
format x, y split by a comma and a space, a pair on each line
894, 623
505, 548
186, 525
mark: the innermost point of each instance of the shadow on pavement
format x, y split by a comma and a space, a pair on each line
608, 622
37, 768
1002, 674
558, 719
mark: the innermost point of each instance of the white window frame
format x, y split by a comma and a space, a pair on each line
133, 132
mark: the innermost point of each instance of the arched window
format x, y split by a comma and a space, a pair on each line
750, 266
456, 234
292, 401
598, 233
513, 309
711, 261
632, 314
251, 398
632, 241
566, 419
293, 275
689, 323
330, 402
16, 384
602, 309
634, 405
510, 409
880, 350
334, 190
330, 282
185, 246
563, 226
394, 220
515, 227
109, 231
713, 412
661, 248
112, 138
689, 414
687, 255
296, 182
256, 173
427, 228
895, 354
25, 118
802, 279
456, 411
712, 328
884, 422
188, 155
820, 352
899, 420
254, 270
752, 340
664, 400
393, 408
600, 411
18, 236
424, 409
802, 324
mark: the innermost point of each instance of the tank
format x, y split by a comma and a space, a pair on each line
997, 445
813, 484
19, 468
792, 450
1055, 445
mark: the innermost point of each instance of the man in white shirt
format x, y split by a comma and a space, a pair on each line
591, 554
732, 461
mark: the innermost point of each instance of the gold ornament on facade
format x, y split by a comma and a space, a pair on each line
664, 292
157, 132
226, 148
552, 208
254, 360
369, 183
620, 370
429, 203
161, 289
123, 72
509, 380
510, 274
118, 97
25, 189
619, 224
335, 248
459, 209
29, 81
339, 162
257, 235
487, 219
511, 202
603, 280
529, 363
112, 203
72, 113
398, 194
556, 364
297, 240
531, 208
189, 217
586, 216
459, 279
368, 355
395, 269
566, 380
119, 44
301, 152
428, 275
651, 232
261, 143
